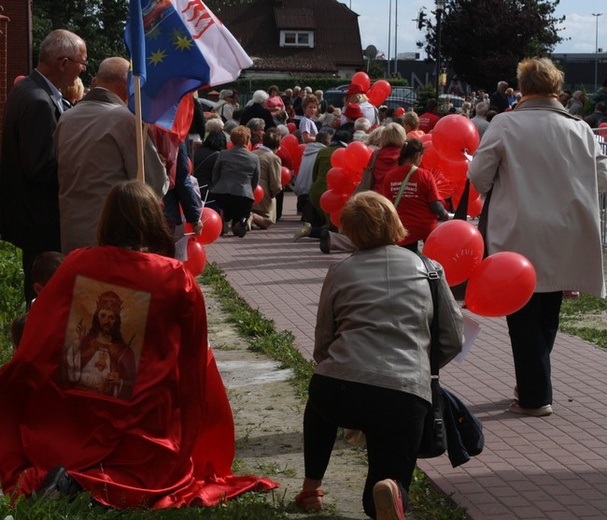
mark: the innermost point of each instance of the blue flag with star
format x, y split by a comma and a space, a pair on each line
176, 47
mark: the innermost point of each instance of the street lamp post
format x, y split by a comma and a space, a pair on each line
440, 6
596, 49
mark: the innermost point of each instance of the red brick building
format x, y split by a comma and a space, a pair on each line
15, 44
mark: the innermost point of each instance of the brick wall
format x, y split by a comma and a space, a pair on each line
15, 44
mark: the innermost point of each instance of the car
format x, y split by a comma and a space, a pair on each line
404, 97
399, 97
456, 101
335, 96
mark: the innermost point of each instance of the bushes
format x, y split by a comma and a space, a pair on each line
11, 289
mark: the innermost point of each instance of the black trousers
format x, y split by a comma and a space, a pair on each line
234, 207
532, 333
391, 420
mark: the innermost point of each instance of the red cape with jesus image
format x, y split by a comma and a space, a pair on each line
114, 380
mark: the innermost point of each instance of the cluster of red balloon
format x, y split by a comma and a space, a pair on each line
294, 149
499, 285
444, 150
346, 172
212, 225
376, 93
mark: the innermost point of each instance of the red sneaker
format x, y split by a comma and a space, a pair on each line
388, 501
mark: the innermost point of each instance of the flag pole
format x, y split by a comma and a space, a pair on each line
139, 129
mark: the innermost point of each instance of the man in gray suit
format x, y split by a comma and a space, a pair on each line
29, 207
96, 144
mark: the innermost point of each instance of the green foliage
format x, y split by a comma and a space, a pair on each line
483, 40
12, 302
250, 506
430, 504
376, 70
100, 23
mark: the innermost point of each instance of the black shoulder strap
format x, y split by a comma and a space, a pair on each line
433, 278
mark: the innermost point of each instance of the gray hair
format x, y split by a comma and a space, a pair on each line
214, 124
362, 123
256, 123
59, 44
282, 130
113, 70
225, 93
260, 96
482, 108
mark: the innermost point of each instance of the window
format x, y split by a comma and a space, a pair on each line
297, 39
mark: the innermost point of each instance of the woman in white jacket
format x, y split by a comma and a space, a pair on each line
372, 349
545, 171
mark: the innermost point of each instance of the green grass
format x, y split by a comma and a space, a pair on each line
587, 309
11, 299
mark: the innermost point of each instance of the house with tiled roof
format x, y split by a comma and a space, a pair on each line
314, 38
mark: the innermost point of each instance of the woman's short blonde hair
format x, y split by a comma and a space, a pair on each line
240, 136
74, 92
539, 76
370, 220
393, 135
411, 119
374, 137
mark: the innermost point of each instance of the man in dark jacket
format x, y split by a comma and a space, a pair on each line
29, 206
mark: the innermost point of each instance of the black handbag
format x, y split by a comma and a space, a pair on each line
434, 437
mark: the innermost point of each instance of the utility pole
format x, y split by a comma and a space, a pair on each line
596, 54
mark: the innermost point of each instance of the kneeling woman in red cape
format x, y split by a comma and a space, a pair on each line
114, 379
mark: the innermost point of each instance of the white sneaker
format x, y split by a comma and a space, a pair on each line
542, 411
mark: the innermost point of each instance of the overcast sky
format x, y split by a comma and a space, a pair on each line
579, 26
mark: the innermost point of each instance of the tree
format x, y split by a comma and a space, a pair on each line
100, 23
483, 40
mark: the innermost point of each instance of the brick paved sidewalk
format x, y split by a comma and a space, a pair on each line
532, 468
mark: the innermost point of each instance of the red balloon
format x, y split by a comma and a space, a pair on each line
336, 178
335, 216
452, 135
197, 257
357, 156
297, 156
379, 91
332, 201
458, 246
290, 142
430, 159
211, 227
258, 193
291, 127
455, 171
400, 111
475, 206
230, 145
362, 79
338, 158
502, 284
459, 191
285, 176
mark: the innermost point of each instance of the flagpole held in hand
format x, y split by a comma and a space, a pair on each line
139, 129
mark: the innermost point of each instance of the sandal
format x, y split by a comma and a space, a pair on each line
310, 500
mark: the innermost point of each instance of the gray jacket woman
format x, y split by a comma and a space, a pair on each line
372, 349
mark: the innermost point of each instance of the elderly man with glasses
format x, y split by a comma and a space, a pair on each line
29, 207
